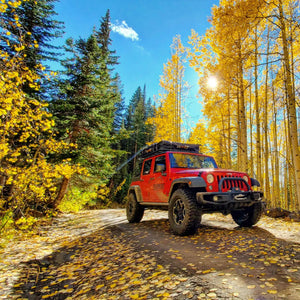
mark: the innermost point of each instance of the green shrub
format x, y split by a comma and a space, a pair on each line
7, 220
76, 198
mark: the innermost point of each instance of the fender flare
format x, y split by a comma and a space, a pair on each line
192, 182
136, 189
254, 182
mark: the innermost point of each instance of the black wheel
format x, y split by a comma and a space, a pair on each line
248, 216
184, 215
134, 210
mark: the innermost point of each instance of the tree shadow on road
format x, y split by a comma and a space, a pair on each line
139, 260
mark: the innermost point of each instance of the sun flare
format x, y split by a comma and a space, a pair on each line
212, 82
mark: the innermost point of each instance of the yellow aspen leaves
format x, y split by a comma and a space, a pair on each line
26, 130
168, 117
251, 286
250, 117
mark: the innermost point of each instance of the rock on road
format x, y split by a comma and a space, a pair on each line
99, 255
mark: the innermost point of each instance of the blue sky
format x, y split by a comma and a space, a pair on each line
143, 31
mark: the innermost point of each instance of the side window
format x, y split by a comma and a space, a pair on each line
160, 164
137, 169
147, 167
173, 161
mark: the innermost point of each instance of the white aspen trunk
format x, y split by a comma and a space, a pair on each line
257, 115
266, 146
229, 132
276, 182
243, 122
291, 104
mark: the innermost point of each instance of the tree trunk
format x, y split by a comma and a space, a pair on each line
276, 182
62, 191
242, 117
290, 103
251, 166
258, 142
229, 131
266, 147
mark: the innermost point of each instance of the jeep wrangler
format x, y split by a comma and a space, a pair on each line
175, 177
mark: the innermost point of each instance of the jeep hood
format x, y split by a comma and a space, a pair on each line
198, 172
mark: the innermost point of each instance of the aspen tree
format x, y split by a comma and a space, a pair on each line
168, 116
230, 55
219, 128
291, 101
253, 49
276, 182
29, 179
265, 125
257, 111
200, 136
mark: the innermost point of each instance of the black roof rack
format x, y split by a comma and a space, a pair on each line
159, 148
165, 146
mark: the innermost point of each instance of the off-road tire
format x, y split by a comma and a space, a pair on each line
134, 211
248, 216
184, 214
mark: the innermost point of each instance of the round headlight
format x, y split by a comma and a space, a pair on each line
245, 178
210, 178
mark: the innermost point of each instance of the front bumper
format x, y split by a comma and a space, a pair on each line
236, 196
235, 199
227, 202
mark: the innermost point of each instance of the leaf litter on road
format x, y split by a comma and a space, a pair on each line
140, 261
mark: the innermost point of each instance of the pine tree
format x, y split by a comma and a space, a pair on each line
120, 107
136, 134
90, 95
136, 120
34, 25
104, 40
29, 180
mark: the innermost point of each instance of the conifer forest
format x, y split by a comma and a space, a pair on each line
63, 134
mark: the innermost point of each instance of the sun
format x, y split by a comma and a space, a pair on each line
212, 82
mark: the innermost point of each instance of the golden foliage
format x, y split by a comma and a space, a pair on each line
252, 48
167, 118
27, 138
76, 198
90, 259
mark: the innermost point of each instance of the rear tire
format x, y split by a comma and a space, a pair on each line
184, 215
134, 210
248, 216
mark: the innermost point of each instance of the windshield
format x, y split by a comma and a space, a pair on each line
190, 161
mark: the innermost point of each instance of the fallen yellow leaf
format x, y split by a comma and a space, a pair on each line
251, 286
292, 270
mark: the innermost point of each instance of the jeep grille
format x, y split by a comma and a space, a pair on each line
229, 183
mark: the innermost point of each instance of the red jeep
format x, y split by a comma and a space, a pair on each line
174, 176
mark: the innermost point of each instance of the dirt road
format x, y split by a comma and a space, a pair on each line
99, 255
